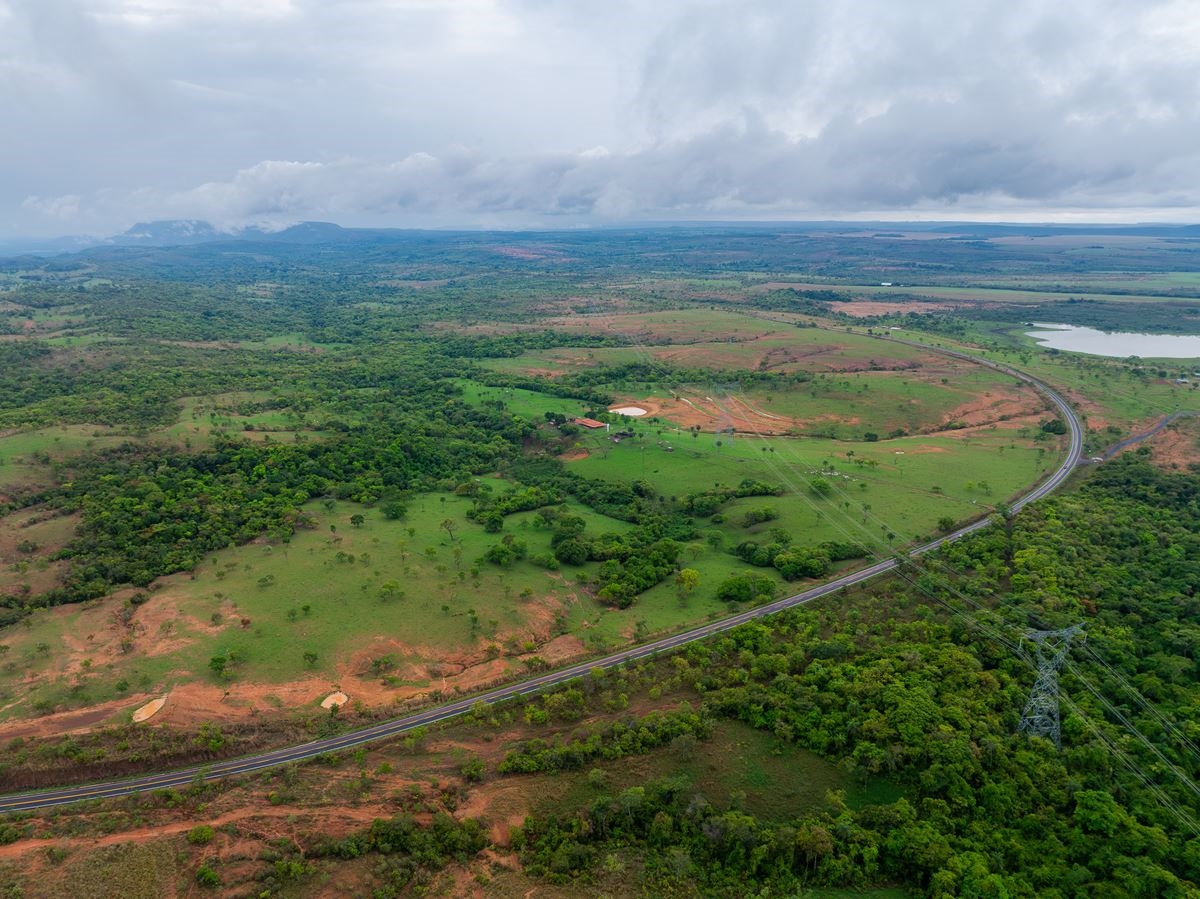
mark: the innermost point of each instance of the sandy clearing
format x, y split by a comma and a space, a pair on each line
337, 698
149, 710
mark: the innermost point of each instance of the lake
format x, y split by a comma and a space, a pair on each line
1117, 344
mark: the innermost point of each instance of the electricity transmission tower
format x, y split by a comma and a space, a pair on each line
1050, 648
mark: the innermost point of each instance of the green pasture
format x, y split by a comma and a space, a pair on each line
26, 455
407, 591
852, 404
909, 483
405, 584
774, 780
905, 293
722, 340
529, 404
201, 417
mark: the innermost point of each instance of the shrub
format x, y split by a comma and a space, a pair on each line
198, 836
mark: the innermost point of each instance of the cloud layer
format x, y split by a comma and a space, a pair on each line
536, 112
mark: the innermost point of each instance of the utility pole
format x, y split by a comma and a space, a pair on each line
1040, 718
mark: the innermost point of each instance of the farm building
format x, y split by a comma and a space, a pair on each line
589, 423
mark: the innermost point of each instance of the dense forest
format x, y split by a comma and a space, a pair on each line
924, 688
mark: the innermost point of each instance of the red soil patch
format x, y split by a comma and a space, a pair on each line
1001, 406
574, 455
78, 721
711, 414
1011, 424
1175, 448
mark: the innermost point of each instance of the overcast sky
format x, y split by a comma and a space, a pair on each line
566, 112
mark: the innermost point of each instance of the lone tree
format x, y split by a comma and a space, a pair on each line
310, 658
449, 526
686, 582
357, 519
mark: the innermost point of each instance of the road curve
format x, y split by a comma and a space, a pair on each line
248, 764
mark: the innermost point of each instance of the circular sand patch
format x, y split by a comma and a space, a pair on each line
339, 699
149, 710
631, 411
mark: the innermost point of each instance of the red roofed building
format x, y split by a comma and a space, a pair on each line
589, 423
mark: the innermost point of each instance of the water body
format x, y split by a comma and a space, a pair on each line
1117, 344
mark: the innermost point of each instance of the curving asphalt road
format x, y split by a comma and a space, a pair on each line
183, 778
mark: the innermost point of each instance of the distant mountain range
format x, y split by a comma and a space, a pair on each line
189, 232
178, 233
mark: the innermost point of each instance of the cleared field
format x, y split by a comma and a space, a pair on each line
701, 338
981, 294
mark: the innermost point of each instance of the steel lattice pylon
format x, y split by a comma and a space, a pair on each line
1040, 717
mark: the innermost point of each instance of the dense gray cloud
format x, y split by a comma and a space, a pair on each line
536, 112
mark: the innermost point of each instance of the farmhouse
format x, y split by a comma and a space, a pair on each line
589, 423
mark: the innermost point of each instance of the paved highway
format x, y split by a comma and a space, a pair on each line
248, 764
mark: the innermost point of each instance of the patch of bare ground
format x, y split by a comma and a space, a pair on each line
1172, 448
74, 722
712, 414
256, 823
417, 285
995, 406
531, 253
304, 806
1010, 424
869, 308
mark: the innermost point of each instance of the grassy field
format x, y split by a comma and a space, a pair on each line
1106, 391
775, 781
385, 600
392, 603
717, 339
25, 456
987, 293
394, 608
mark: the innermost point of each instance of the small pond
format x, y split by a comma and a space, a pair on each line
1117, 344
